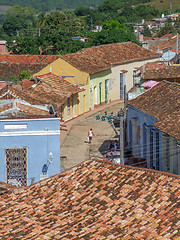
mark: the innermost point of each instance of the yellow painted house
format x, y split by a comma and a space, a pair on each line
75, 105
110, 67
102, 71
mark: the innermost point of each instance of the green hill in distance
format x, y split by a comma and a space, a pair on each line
165, 4
47, 5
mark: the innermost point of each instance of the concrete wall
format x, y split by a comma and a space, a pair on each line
115, 76
41, 137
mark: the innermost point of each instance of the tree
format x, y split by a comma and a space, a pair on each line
25, 74
168, 28
113, 36
146, 32
82, 11
110, 5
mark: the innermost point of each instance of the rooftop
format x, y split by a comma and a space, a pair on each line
95, 200
163, 103
166, 73
17, 58
13, 65
165, 45
96, 59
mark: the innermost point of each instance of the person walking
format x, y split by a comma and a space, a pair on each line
90, 135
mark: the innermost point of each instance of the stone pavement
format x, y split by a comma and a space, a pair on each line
74, 146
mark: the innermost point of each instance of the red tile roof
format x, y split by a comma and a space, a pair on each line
16, 58
170, 73
50, 89
95, 200
13, 65
155, 65
165, 45
163, 103
102, 57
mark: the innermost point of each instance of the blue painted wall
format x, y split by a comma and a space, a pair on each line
145, 121
38, 146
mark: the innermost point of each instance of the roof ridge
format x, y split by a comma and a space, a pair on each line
111, 163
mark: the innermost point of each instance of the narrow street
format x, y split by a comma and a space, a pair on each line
74, 146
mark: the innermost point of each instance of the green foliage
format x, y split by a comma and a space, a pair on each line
168, 28
13, 79
82, 11
146, 12
25, 74
47, 5
146, 32
113, 36
110, 5
114, 24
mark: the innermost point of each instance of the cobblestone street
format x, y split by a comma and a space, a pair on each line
74, 146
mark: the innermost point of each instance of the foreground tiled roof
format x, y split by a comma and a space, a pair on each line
163, 103
6, 188
13, 65
102, 57
95, 200
167, 73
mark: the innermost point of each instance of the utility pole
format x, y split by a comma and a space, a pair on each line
121, 137
177, 43
125, 102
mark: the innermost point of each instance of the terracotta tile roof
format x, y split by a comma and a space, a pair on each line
102, 57
6, 188
168, 36
163, 103
9, 70
12, 65
95, 200
16, 58
50, 89
165, 45
167, 73
11, 92
155, 65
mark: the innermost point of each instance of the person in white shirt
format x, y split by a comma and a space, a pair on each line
90, 135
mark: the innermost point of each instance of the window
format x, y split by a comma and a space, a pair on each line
16, 166
15, 126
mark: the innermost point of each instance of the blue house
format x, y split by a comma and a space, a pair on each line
153, 127
29, 140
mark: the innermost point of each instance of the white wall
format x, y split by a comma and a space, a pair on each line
115, 76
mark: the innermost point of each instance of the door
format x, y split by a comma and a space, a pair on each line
16, 166
100, 93
107, 91
92, 98
121, 85
95, 95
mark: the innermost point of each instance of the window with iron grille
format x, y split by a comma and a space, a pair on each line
16, 166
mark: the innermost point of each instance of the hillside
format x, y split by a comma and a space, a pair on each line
3, 9
45, 5
165, 4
